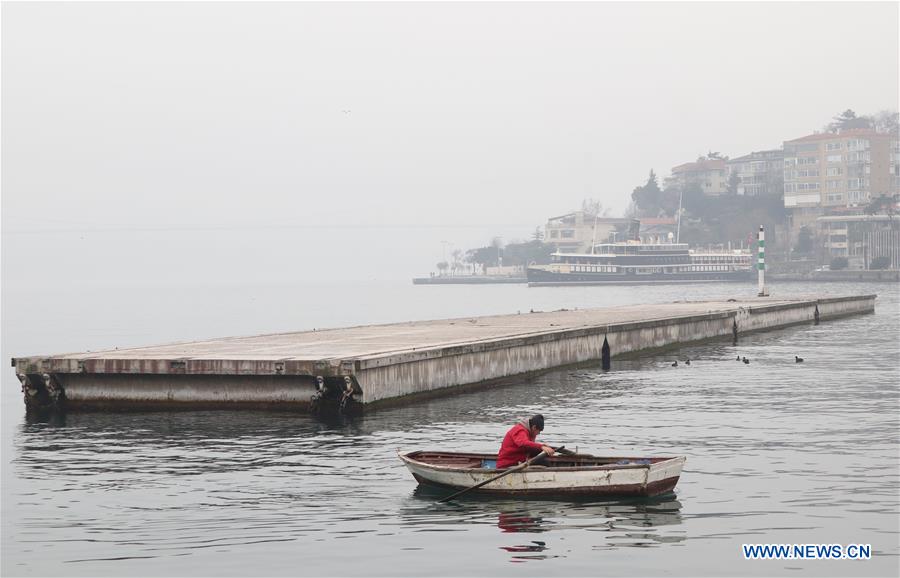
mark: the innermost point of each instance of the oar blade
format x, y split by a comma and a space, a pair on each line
521, 466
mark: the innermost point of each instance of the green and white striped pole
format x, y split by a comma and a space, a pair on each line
761, 262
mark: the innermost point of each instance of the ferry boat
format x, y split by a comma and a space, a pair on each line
634, 262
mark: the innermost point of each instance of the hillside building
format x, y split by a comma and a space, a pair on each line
711, 175
830, 173
759, 173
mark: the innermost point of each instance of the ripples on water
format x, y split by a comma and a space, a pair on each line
778, 452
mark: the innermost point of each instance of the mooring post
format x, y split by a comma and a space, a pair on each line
604, 355
761, 262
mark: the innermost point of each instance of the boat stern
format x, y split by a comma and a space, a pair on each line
662, 476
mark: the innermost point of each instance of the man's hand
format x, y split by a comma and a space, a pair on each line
548, 450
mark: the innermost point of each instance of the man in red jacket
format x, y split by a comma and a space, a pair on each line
518, 443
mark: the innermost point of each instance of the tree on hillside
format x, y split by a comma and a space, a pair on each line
804, 241
884, 205
631, 211
668, 204
648, 197
694, 201
484, 256
733, 181
526, 253
848, 120
523, 253
886, 121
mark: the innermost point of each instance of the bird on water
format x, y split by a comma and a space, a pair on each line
798, 359
738, 358
675, 364
688, 362
745, 360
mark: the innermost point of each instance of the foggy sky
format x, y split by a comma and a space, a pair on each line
363, 126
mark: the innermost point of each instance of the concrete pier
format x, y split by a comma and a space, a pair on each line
356, 366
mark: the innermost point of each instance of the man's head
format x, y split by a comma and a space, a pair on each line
536, 424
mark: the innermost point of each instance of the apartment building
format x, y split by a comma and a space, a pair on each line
859, 238
574, 232
759, 173
829, 171
710, 174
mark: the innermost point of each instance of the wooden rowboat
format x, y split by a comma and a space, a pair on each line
563, 476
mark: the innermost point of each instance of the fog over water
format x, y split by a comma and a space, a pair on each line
178, 171
369, 133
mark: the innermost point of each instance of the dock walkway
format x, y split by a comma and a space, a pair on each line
375, 363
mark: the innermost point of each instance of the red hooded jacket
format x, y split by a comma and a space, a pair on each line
518, 445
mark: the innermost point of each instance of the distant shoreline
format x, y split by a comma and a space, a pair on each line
468, 279
881, 275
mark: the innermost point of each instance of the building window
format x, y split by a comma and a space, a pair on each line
833, 184
554, 234
567, 233
833, 158
833, 146
834, 197
834, 171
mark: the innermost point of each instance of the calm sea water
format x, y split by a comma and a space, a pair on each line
778, 452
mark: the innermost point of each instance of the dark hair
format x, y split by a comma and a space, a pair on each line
537, 421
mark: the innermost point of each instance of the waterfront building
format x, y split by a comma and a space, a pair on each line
709, 174
758, 173
576, 232
859, 238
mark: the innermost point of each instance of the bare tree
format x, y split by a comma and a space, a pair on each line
456, 265
886, 121
594, 208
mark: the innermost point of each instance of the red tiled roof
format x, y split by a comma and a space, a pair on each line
849, 133
704, 165
768, 155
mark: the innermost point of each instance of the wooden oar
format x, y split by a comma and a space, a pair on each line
562, 450
517, 468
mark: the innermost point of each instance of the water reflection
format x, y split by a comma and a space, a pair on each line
626, 522
520, 521
532, 515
